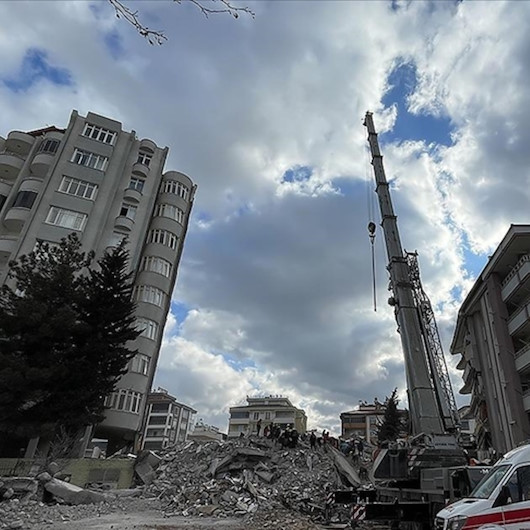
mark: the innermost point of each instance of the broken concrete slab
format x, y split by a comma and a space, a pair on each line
72, 494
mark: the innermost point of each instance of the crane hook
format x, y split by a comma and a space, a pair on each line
371, 231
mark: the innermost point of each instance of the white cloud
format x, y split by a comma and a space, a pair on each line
277, 274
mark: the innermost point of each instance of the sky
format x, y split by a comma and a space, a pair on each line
265, 114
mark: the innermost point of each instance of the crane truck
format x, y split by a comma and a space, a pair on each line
416, 479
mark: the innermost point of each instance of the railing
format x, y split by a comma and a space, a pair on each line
516, 269
522, 351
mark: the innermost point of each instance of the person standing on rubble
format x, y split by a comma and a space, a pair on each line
313, 441
258, 426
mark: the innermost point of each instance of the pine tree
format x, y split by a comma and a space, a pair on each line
392, 425
63, 337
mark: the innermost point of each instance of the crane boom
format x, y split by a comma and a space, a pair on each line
424, 397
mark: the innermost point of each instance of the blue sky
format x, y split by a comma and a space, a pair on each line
274, 290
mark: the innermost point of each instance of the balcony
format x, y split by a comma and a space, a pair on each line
140, 169
516, 279
124, 223
19, 142
10, 165
7, 246
526, 401
147, 145
522, 359
40, 164
132, 194
15, 218
519, 322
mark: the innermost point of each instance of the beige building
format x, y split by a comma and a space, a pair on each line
362, 422
103, 183
492, 336
167, 421
269, 409
205, 433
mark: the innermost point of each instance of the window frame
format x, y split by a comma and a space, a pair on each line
170, 211
78, 183
55, 212
144, 158
157, 265
140, 188
151, 327
150, 294
130, 210
163, 237
98, 133
176, 188
94, 160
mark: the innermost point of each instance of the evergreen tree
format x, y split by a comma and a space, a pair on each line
392, 425
63, 335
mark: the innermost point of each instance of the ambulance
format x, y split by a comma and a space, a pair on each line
500, 500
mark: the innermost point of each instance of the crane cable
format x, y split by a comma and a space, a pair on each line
371, 224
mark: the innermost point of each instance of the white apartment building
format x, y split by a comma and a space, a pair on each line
167, 421
103, 183
269, 409
492, 336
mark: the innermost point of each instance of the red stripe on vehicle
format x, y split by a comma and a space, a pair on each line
474, 521
517, 516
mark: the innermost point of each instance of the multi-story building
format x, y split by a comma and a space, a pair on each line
363, 422
269, 409
205, 433
167, 421
103, 183
492, 336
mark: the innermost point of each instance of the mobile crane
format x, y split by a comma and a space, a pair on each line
422, 474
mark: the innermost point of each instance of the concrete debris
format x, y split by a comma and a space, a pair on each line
249, 477
264, 485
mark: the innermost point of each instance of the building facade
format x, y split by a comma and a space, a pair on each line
492, 336
167, 421
103, 183
269, 409
363, 422
205, 433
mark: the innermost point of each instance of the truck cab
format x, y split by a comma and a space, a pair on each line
500, 500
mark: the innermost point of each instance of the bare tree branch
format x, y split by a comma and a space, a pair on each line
158, 36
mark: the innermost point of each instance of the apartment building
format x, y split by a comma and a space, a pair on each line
103, 183
167, 421
492, 336
362, 422
205, 433
269, 409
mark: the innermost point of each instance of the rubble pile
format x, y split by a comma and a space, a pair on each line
250, 477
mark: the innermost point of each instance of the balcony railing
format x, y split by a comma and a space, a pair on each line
516, 269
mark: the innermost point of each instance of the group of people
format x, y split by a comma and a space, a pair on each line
286, 437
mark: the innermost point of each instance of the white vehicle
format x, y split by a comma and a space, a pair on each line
500, 500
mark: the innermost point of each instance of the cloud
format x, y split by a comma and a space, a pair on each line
274, 293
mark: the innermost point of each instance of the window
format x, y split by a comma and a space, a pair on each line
136, 184
99, 133
172, 186
126, 400
171, 211
158, 265
66, 218
154, 433
150, 295
128, 210
157, 420
164, 237
159, 407
149, 327
25, 199
267, 415
144, 158
238, 415
79, 188
256, 415
139, 364
85, 158
49, 146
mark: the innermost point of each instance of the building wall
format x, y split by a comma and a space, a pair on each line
135, 198
491, 335
270, 409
